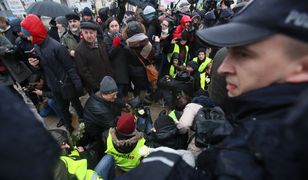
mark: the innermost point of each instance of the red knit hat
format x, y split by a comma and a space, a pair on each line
126, 124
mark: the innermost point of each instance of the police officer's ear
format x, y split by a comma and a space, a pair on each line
301, 71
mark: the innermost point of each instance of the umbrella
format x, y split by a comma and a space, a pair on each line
48, 8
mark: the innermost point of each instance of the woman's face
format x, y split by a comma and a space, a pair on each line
114, 26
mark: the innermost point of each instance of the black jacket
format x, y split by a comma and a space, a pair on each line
166, 135
57, 64
118, 58
100, 115
252, 150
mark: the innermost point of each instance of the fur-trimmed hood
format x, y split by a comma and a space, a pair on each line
133, 139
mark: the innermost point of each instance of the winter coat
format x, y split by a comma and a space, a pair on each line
186, 120
69, 41
181, 27
10, 35
17, 68
93, 64
55, 61
118, 58
294, 144
123, 144
167, 135
53, 33
252, 150
100, 115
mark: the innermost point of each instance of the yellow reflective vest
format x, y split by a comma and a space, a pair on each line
173, 116
79, 167
176, 49
204, 64
128, 161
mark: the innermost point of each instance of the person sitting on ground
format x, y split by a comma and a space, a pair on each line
203, 58
176, 65
123, 143
73, 163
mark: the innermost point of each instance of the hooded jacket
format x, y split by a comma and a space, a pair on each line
35, 27
181, 27
54, 58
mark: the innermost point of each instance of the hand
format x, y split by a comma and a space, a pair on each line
72, 53
80, 149
116, 41
157, 39
38, 92
34, 62
174, 41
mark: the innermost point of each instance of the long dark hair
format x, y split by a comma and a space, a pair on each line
109, 20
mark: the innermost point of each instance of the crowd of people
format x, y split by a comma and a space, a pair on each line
232, 80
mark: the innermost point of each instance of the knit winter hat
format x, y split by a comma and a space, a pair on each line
61, 20
192, 64
126, 124
133, 27
108, 85
87, 12
148, 10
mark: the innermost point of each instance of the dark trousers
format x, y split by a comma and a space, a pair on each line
64, 106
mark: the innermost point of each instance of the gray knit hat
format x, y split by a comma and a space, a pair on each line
61, 20
108, 85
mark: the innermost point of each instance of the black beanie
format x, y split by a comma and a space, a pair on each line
133, 28
192, 64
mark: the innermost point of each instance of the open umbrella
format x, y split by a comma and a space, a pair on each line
48, 8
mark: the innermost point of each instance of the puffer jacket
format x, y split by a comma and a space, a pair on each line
100, 115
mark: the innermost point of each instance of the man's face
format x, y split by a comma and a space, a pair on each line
87, 18
257, 65
201, 56
89, 35
110, 97
74, 24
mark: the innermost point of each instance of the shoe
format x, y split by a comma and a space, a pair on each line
60, 123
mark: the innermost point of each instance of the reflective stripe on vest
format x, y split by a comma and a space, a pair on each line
173, 116
128, 161
202, 80
176, 49
204, 64
79, 169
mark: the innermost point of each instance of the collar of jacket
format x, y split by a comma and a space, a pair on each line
6, 29
44, 42
91, 45
269, 99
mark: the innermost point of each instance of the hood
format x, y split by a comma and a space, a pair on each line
35, 27
184, 20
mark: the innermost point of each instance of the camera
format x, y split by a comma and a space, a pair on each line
29, 89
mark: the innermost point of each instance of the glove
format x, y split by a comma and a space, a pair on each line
116, 41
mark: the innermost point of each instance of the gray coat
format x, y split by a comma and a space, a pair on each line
16, 69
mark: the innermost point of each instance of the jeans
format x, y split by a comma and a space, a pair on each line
52, 108
106, 167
